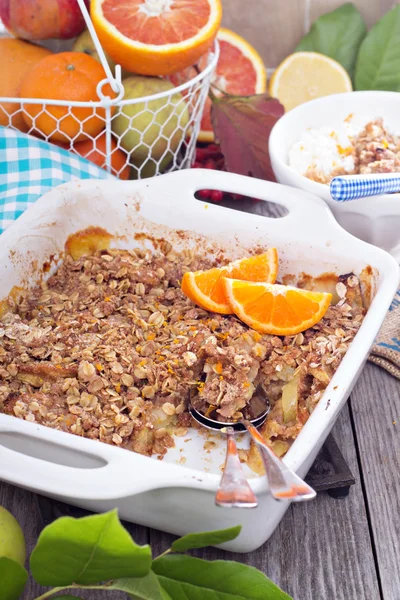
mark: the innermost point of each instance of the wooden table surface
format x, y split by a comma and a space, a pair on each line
328, 549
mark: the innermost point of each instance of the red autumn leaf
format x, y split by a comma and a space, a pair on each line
242, 125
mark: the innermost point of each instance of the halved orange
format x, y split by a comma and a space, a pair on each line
303, 76
207, 289
156, 37
240, 71
275, 309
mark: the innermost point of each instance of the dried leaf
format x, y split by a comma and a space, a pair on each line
242, 125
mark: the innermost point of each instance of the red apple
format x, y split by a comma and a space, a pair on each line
42, 19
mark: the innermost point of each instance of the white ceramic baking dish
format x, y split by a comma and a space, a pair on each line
167, 494
376, 219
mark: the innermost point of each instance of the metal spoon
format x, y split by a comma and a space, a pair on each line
234, 489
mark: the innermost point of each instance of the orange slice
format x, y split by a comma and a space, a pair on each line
156, 37
207, 289
276, 309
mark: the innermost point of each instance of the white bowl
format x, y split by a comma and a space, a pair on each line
375, 219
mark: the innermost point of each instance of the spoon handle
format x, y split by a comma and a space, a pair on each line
234, 490
283, 483
345, 188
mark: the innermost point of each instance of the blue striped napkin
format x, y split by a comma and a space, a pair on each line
29, 167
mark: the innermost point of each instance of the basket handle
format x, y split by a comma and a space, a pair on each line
119, 476
115, 82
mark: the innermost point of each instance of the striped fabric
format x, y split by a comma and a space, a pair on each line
351, 187
30, 167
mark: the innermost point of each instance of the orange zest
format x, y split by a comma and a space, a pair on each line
275, 309
207, 289
156, 37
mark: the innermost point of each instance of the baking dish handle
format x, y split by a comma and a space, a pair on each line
297, 202
105, 473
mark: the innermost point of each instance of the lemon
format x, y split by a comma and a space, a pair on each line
153, 128
303, 76
12, 541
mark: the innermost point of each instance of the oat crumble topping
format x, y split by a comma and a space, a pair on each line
109, 348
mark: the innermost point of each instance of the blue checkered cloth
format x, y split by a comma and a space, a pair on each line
351, 187
30, 167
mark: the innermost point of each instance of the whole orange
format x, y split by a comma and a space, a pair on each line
69, 76
17, 59
95, 151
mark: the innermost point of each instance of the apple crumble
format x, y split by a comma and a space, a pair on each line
109, 348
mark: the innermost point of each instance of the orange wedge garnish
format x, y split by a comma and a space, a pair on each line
275, 309
207, 289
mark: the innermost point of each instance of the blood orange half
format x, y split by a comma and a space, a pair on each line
156, 37
240, 71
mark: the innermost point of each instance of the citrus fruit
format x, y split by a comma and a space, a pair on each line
207, 288
69, 76
240, 71
17, 58
303, 76
156, 37
152, 128
12, 541
95, 151
275, 309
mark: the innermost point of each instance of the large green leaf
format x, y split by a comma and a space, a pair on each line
186, 577
207, 538
87, 550
140, 588
12, 579
378, 62
337, 34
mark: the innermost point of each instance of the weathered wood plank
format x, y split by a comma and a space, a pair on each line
371, 11
273, 27
321, 550
376, 412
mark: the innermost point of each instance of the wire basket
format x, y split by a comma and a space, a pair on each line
157, 132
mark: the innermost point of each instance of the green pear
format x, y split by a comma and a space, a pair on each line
153, 128
148, 168
84, 43
12, 541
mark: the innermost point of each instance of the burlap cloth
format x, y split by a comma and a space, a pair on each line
386, 349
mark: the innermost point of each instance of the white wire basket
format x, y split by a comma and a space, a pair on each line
157, 133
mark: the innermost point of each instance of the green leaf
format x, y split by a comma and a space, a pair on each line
337, 34
202, 540
143, 588
378, 62
66, 597
186, 577
12, 579
86, 551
